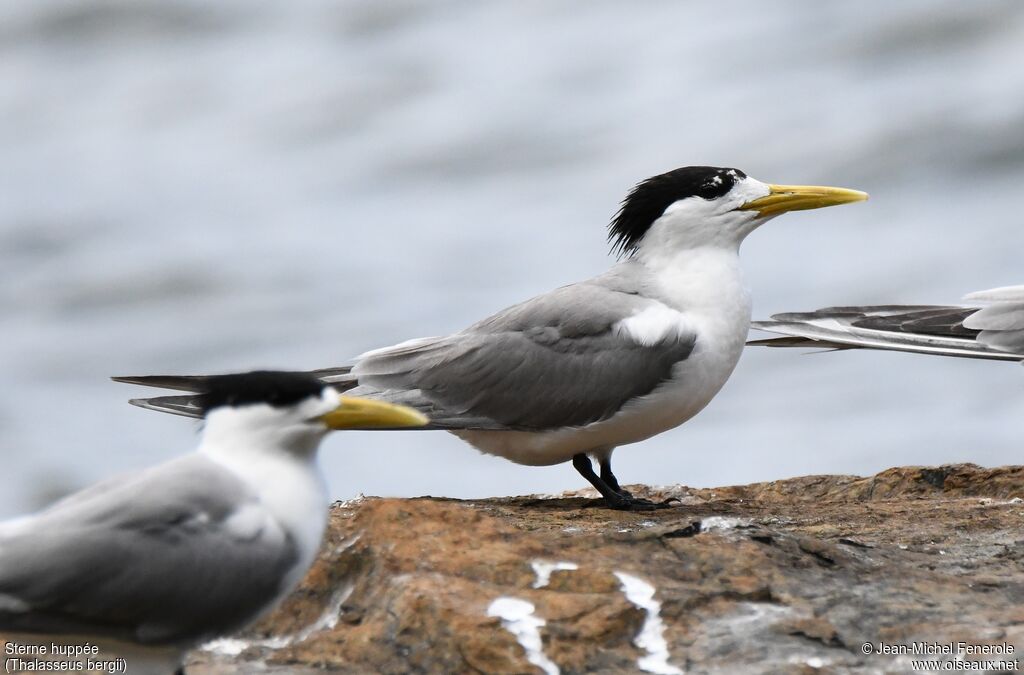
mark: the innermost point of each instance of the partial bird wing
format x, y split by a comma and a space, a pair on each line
170, 555
992, 332
561, 359
1001, 322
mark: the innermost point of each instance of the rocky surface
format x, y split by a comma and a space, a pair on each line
790, 576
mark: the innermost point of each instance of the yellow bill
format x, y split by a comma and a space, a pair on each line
363, 413
782, 198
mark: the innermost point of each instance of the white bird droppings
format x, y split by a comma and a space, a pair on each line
720, 523
543, 570
347, 543
518, 618
328, 619
350, 503
227, 646
651, 637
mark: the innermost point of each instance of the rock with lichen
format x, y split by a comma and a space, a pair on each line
789, 576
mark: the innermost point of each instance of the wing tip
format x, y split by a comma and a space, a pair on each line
189, 383
173, 405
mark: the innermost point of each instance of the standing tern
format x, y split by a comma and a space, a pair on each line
991, 327
153, 563
612, 360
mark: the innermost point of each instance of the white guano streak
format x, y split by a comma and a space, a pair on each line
327, 620
721, 523
543, 569
651, 637
518, 618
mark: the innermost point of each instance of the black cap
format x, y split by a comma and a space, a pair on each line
649, 199
277, 388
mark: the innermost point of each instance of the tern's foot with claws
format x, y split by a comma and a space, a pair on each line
627, 502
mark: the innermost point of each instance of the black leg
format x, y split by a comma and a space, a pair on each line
609, 478
582, 464
614, 498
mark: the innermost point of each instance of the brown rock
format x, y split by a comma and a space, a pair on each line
783, 577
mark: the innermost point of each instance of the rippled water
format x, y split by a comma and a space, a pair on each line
189, 187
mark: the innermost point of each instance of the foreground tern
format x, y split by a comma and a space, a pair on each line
597, 364
150, 564
990, 327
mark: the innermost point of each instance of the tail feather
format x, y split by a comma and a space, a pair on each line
193, 383
339, 375
175, 405
187, 405
923, 329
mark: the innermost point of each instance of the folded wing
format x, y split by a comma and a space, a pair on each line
166, 556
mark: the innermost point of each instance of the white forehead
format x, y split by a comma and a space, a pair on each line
748, 189
328, 400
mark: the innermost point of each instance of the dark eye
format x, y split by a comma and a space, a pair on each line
715, 187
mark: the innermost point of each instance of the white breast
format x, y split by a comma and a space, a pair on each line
286, 480
292, 494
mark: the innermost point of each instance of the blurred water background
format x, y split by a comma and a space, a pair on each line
192, 187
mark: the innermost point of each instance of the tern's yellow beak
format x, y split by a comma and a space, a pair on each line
782, 198
362, 413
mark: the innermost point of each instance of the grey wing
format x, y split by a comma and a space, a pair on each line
172, 555
557, 360
925, 329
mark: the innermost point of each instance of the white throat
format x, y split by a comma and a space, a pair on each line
278, 461
259, 430
707, 280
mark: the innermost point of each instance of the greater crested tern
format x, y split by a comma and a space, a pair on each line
991, 326
153, 563
612, 360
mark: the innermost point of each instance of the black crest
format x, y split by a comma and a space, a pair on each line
275, 387
649, 199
